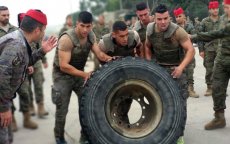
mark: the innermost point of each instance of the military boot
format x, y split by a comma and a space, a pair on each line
27, 122
14, 124
60, 140
41, 110
191, 91
208, 91
217, 122
32, 110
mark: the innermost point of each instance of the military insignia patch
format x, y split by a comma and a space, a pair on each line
16, 61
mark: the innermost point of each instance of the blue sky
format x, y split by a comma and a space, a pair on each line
56, 10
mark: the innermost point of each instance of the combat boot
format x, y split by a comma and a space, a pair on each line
32, 110
60, 140
14, 124
27, 122
41, 110
208, 91
191, 91
217, 122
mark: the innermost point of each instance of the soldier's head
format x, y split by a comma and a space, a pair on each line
20, 18
84, 23
120, 33
34, 23
226, 4
68, 20
179, 15
162, 17
101, 19
213, 8
4, 15
143, 12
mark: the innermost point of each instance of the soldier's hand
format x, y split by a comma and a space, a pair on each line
5, 118
87, 76
49, 44
30, 70
202, 54
177, 72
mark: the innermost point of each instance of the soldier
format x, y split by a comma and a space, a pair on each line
23, 90
68, 24
68, 68
99, 29
221, 68
38, 80
140, 26
189, 28
15, 56
121, 42
208, 50
166, 43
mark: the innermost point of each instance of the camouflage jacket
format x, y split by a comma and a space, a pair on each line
141, 29
15, 56
223, 55
35, 47
206, 25
11, 29
100, 30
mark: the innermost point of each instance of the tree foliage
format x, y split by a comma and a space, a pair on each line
193, 8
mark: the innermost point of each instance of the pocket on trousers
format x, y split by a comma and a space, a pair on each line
56, 96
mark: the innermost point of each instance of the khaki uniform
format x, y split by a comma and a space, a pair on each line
64, 84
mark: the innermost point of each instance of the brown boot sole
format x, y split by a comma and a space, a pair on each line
213, 128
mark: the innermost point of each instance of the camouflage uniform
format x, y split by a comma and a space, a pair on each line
15, 56
38, 78
189, 28
168, 53
222, 62
210, 50
141, 29
108, 46
63, 29
11, 29
99, 31
64, 84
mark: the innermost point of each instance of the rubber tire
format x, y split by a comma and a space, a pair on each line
92, 113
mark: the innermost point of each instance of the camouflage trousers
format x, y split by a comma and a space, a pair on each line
183, 87
38, 79
24, 97
190, 71
61, 94
209, 59
221, 75
6, 135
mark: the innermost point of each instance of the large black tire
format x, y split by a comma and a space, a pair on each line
163, 112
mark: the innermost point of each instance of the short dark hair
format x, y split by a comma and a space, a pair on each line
2, 8
141, 6
119, 26
85, 17
161, 9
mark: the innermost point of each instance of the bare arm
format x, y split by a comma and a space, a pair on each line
186, 44
148, 52
65, 46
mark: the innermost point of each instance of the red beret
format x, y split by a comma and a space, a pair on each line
226, 1
21, 16
213, 5
37, 15
178, 11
